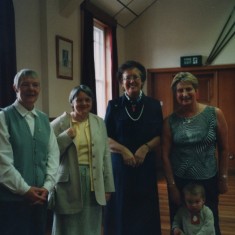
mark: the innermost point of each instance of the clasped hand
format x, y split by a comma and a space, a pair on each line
36, 195
136, 159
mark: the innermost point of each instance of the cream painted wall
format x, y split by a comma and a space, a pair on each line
170, 29
27, 25
166, 31
69, 27
37, 23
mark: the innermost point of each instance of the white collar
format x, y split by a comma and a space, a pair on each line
138, 99
22, 110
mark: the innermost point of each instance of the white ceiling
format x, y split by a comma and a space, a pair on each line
124, 11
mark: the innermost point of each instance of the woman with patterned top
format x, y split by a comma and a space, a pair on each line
190, 137
134, 125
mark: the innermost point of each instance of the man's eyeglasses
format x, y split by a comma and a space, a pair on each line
131, 77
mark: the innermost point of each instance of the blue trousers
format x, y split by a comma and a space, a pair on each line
21, 218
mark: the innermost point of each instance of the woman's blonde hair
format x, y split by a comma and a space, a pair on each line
184, 77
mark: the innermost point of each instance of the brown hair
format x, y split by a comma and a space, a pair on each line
130, 65
184, 77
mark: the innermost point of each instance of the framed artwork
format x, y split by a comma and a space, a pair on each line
64, 58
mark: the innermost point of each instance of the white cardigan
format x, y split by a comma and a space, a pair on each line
68, 191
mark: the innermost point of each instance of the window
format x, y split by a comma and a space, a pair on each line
102, 57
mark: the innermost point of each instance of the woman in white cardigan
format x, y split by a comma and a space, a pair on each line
85, 178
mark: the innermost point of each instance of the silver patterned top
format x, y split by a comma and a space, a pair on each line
193, 151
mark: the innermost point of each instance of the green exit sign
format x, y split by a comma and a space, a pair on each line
186, 61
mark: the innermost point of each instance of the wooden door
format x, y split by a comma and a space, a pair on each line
226, 101
161, 91
216, 88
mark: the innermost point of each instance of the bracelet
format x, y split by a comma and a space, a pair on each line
171, 184
223, 177
147, 146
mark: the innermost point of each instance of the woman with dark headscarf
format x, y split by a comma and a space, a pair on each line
134, 124
85, 178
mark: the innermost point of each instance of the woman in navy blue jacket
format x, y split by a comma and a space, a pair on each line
134, 124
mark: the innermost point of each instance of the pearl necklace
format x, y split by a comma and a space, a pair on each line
134, 119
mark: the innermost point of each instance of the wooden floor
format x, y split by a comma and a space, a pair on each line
226, 208
164, 209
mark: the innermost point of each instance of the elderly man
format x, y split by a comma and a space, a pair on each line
29, 158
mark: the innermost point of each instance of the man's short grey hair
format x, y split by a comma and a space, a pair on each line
24, 73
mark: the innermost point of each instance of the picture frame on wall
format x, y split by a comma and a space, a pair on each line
64, 58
